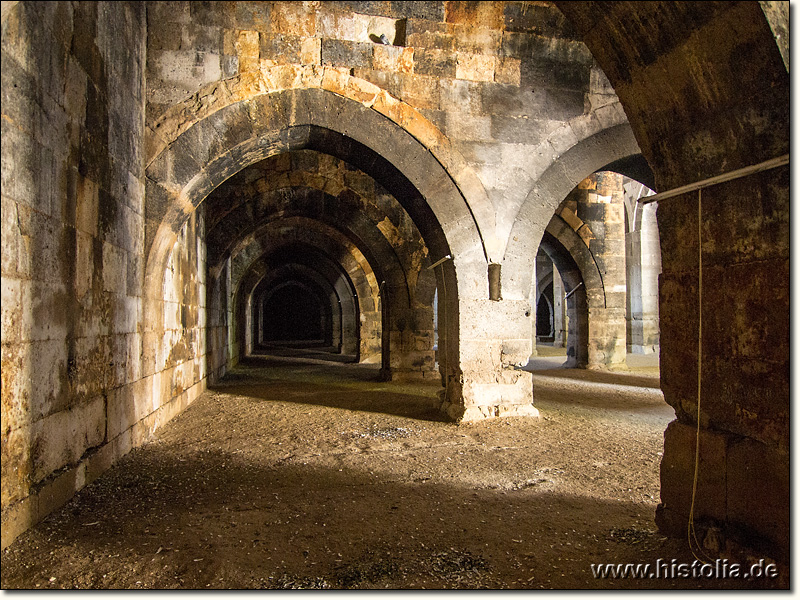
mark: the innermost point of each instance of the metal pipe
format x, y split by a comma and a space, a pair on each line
575, 289
730, 176
440, 261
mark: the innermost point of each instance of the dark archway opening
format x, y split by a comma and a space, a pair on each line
544, 315
293, 313
577, 305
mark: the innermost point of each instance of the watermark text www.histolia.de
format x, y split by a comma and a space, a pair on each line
663, 569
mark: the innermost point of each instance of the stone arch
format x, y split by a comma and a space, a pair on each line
408, 320
584, 261
634, 167
404, 354
344, 313
573, 165
201, 157
542, 283
577, 305
168, 128
288, 233
328, 196
577, 267
323, 192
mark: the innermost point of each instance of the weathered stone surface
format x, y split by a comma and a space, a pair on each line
758, 483
475, 67
678, 465
478, 117
337, 53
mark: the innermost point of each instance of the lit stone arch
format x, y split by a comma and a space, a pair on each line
179, 119
577, 266
575, 163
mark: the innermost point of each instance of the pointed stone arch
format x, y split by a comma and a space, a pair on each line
580, 160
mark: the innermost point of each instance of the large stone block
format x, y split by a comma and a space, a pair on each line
490, 320
56, 492
127, 405
17, 469
759, 494
47, 390
294, 18
279, 50
18, 518
678, 468
335, 25
63, 437
475, 67
338, 53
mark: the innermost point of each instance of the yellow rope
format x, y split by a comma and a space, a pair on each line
691, 533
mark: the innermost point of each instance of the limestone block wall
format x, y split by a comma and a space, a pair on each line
89, 369
692, 127
221, 343
72, 260
508, 83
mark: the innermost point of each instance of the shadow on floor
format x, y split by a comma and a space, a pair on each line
294, 484
303, 350
162, 519
322, 383
604, 377
638, 371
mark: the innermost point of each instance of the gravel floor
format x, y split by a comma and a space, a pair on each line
309, 474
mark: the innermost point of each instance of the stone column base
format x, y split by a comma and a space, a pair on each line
474, 401
470, 414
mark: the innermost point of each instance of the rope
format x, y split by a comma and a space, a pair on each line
691, 533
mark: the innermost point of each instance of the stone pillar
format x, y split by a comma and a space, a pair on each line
643, 265
493, 343
743, 475
559, 311
411, 353
601, 208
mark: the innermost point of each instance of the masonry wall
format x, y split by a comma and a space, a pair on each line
499, 79
221, 345
72, 260
86, 375
691, 127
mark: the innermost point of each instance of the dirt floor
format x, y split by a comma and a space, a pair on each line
299, 473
